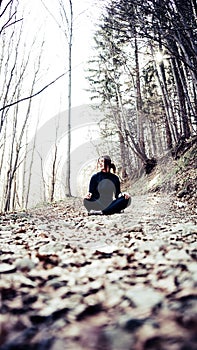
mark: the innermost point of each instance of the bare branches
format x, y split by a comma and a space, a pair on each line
34, 94
9, 22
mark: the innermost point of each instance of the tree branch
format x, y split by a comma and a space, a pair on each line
33, 95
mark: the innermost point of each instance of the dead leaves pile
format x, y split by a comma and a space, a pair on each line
69, 281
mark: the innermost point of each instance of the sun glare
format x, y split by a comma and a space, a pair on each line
159, 56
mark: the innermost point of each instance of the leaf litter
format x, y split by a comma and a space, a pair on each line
127, 281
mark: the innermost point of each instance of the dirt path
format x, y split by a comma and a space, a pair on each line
121, 282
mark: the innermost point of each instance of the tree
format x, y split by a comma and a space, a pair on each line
17, 66
65, 24
70, 38
17, 138
117, 77
158, 27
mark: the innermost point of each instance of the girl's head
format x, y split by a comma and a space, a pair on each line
104, 164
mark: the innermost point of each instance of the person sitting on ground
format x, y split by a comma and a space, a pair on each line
104, 196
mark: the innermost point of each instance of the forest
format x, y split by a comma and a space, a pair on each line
144, 73
71, 279
142, 76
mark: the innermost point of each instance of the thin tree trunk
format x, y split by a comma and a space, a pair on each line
53, 179
139, 112
68, 163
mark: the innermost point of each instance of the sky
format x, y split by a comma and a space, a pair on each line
41, 19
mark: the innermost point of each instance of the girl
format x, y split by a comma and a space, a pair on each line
104, 196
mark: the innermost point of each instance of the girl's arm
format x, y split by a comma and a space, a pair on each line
118, 192
93, 185
92, 188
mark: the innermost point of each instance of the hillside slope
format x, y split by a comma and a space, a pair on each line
173, 176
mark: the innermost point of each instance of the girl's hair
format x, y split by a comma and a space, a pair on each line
108, 163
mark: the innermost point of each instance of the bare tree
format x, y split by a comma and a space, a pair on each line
43, 183
65, 24
15, 162
16, 63
69, 36
8, 11
55, 164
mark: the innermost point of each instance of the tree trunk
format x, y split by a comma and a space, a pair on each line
68, 163
139, 111
184, 126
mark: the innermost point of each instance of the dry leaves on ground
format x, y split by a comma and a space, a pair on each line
127, 281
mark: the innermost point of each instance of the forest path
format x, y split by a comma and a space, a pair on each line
73, 281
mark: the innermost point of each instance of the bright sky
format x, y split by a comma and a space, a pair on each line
38, 21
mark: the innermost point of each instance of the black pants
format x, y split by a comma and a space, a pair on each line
114, 207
